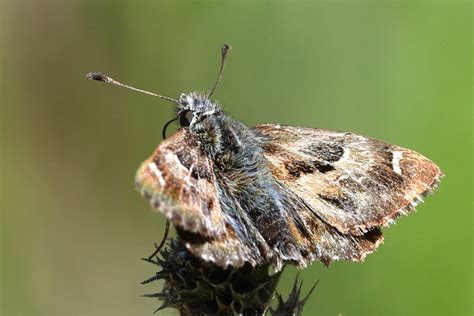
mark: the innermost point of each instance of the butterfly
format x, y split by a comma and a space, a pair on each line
276, 193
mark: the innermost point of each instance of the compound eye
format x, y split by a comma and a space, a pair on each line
185, 118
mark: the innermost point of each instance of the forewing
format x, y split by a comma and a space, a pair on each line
179, 181
351, 182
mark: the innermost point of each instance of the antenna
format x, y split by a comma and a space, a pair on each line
225, 48
104, 78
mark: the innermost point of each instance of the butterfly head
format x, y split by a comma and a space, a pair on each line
192, 109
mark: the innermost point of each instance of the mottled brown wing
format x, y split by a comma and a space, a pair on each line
351, 182
179, 181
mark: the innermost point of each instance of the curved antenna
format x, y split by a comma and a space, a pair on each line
104, 78
225, 48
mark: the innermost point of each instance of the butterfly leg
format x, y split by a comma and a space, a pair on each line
162, 243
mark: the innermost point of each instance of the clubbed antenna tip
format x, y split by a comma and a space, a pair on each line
96, 76
224, 50
104, 78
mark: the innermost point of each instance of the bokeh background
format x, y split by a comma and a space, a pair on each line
73, 229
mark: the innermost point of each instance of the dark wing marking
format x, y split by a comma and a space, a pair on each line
353, 183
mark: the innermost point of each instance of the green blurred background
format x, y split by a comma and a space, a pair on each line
73, 229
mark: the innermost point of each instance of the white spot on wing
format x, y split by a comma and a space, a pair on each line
157, 173
346, 153
397, 156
